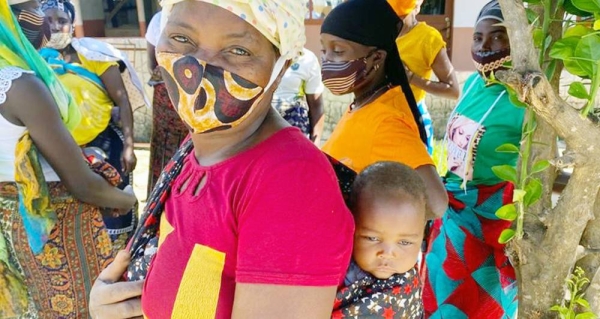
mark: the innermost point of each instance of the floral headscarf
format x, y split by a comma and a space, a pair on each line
280, 21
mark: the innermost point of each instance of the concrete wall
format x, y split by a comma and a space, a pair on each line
465, 15
92, 13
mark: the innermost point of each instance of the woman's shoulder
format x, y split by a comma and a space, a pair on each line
8, 76
287, 148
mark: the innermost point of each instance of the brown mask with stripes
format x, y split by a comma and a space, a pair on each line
34, 26
342, 77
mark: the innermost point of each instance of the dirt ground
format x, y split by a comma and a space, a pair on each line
140, 174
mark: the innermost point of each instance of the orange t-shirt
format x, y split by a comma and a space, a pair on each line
383, 130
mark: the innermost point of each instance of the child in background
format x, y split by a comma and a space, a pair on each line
388, 204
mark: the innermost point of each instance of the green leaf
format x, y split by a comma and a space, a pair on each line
582, 302
531, 16
518, 195
507, 148
540, 166
564, 48
547, 42
572, 9
587, 53
587, 5
579, 30
550, 69
586, 315
596, 25
506, 173
578, 90
538, 37
506, 236
574, 68
533, 191
556, 308
507, 212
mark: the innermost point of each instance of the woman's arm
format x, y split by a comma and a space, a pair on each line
278, 301
315, 111
437, 197
29, 103
116, 90
447, 85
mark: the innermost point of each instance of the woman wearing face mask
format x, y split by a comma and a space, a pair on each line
89, 69
52, 240
468, 274
254, 224
383, 124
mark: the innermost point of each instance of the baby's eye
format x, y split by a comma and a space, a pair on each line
180, 39
370, 238
405, 243
240, 51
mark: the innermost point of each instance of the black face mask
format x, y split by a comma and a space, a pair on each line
34, 26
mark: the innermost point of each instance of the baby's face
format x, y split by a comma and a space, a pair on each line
389, 233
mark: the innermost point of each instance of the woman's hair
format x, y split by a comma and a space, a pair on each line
374, 23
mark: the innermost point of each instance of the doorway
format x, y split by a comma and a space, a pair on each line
439, 14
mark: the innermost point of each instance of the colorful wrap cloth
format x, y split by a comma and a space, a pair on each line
281, 22
468, 274
396, 297
15, 50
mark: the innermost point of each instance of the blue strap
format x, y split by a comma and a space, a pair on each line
62, 67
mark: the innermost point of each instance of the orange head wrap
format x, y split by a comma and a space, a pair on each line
403, 7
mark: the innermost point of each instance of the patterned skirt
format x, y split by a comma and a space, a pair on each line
120, 229
168, 132
56, 282
294, 112
467, 274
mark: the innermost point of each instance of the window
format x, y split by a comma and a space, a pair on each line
318, 9
433, 7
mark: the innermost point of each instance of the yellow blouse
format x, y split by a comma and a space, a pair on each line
94, 102
418, 49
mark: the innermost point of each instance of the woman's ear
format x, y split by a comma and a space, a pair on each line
379, 57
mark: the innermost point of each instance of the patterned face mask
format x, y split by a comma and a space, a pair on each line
207, 97
60, 40
34, 26
490, 61
342, 77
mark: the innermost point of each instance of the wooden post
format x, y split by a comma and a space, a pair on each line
78, 23
141, 12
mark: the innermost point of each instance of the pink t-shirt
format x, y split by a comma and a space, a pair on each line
273, 214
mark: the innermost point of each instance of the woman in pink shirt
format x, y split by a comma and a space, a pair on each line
254, 224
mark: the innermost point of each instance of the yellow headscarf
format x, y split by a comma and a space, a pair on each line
402, 7
280, 21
